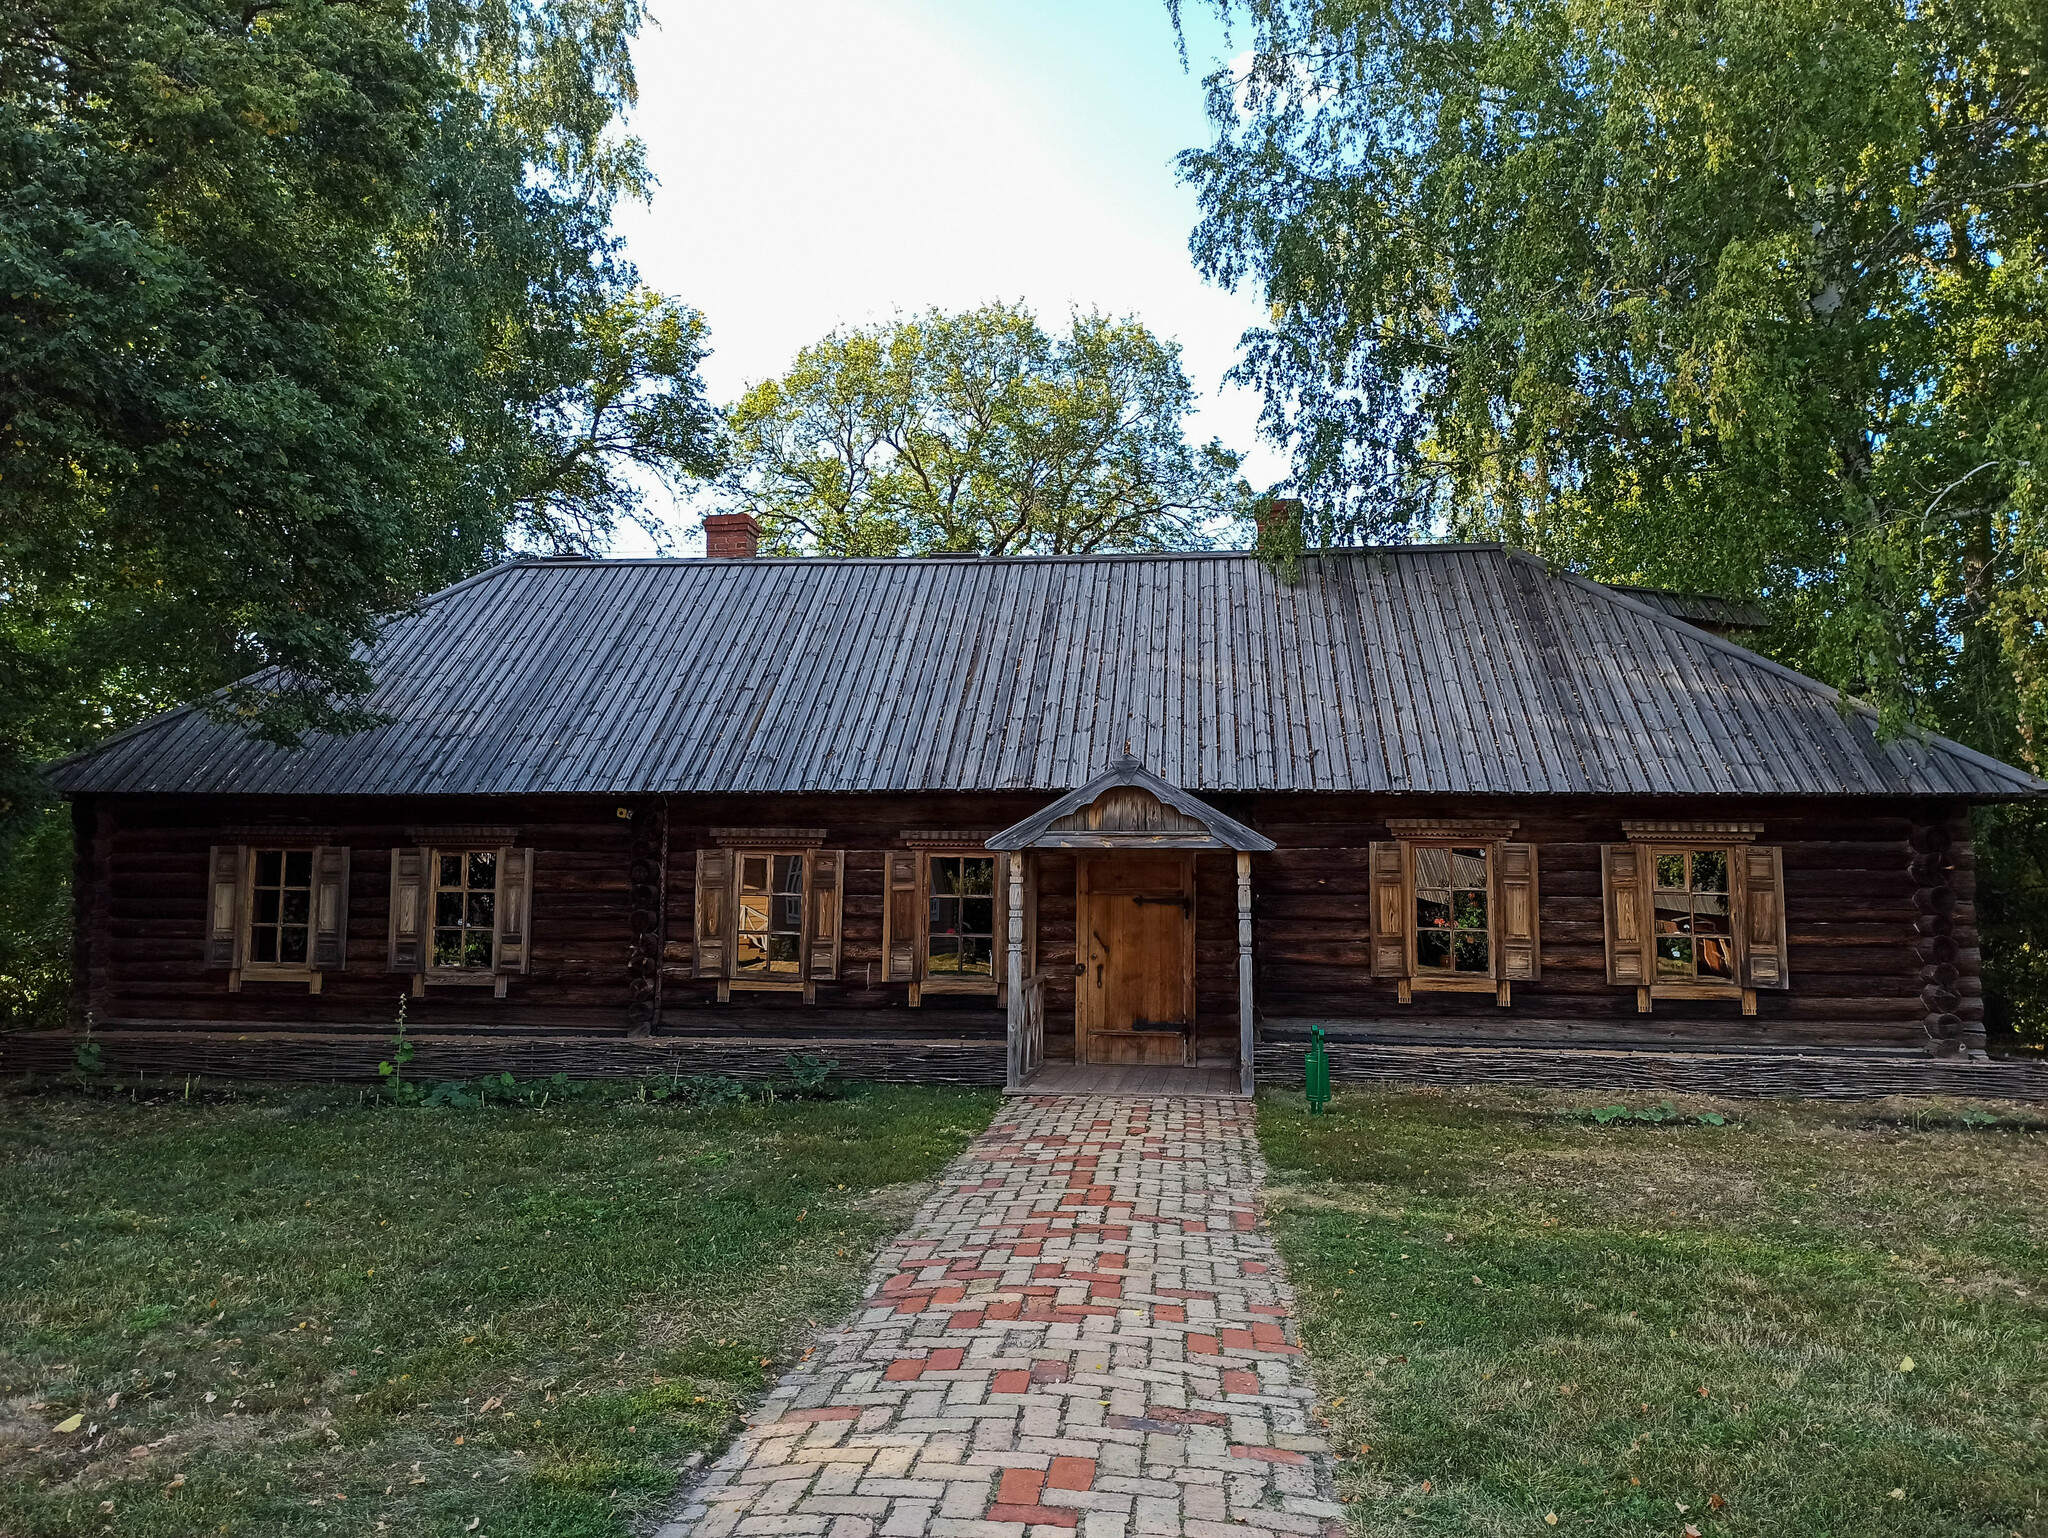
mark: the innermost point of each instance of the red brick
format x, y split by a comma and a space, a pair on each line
1019, 1487
1237, 1382
903, 1370
1048, 1371
1238, 1340
1004, 1308
1052, 1516
1015, 1381
1108, 1287
1070, 1474
1273, 1309
1266, 1454
966, 1321
945, 1359
1203, 1345
828, 1413
1169, 1313
1256, 1268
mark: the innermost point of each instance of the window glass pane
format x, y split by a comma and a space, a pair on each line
447, 907
944, 957
753, 915
483, 869
476, 950
1470, 909
1432, 911
1674, 956
298, 867
481, 905
1432, 868
1433, 949
266, 907
977, 957
751, 955
451, 870
269, 865
296, 904
1710, 870
1673, 914
789, 873
263, 945
1472, 952
945, 877
291, 944
1468, 868
1710, 914
782, 953
788, 915
978, 916
945, 916
979, 877
754, 873
1717, 957
1671, 872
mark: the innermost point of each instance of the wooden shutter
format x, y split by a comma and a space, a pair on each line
224, 866
514, 948
329, 950
1761, 920
410, 872
714, 911
899, 917
825, 873
1389, 901
1624, 901
1521, 950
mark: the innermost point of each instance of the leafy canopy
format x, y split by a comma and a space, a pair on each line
978, 432
305, 309
1744, 296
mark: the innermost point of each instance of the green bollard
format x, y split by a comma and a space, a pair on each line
1318, 1072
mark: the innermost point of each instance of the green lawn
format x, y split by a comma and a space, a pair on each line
1513, 1315
296, 1313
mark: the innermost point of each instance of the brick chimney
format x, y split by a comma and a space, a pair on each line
731, 536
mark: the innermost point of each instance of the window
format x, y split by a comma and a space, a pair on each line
960, 926
279, 913
767, 917
1695, 939
1452, 900
1453, 907
465, 910
771, 915
1694, 911
459, 914
280, 907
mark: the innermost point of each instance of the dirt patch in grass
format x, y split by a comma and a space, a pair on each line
299, 1313
1816, 1319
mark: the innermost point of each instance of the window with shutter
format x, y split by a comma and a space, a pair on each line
827, 872
963, 916
714, 913
1454, 908
406, 949
514, 913
1694, 919
330, 911
899, 919
224, 864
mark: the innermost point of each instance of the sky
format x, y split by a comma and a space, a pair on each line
832, 162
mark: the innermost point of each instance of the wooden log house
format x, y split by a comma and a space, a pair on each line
1031, 820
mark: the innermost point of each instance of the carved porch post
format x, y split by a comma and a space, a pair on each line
1244, 970
1015, 972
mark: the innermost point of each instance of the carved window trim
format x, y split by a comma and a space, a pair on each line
786, 840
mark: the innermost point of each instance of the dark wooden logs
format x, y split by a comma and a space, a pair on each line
1942, 867
647, 891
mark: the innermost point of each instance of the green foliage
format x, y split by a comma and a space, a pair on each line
1653, 1116
305, 309
979, 433
35, 922
1747, 298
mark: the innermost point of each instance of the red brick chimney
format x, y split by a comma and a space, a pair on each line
731, 536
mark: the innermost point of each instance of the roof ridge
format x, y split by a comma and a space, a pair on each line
1778, 669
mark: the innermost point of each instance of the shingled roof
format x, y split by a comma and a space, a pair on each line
1441, 668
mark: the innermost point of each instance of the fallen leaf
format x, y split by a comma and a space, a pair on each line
112, 1400
489, 1404
1898, 1495
106, 1508
460, 1440
1690, 1531
1905, 1364
177, 1483
1425, 1487
474, 1524
1715, 1503
69, 1425
1550, 1519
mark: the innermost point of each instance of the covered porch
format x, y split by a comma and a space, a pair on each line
1133, 841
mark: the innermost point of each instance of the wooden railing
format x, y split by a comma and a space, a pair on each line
1027, 1030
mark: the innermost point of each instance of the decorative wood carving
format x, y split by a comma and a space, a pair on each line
768, 838
1942, 864
944, 838
463, 836
1478, 829
1639, 831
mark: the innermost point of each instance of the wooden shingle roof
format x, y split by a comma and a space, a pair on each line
1439, 668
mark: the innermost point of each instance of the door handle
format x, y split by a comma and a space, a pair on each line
1103, 945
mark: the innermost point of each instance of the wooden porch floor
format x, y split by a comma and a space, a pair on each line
1214, 1081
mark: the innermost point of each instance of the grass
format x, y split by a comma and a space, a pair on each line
1513, 1315
299, 1313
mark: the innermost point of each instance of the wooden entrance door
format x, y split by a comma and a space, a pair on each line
1135, 1000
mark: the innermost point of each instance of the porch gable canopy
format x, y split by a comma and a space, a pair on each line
1129, 807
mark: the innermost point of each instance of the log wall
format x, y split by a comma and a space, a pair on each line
1882, 946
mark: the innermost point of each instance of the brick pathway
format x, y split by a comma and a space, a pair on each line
1083, 1334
